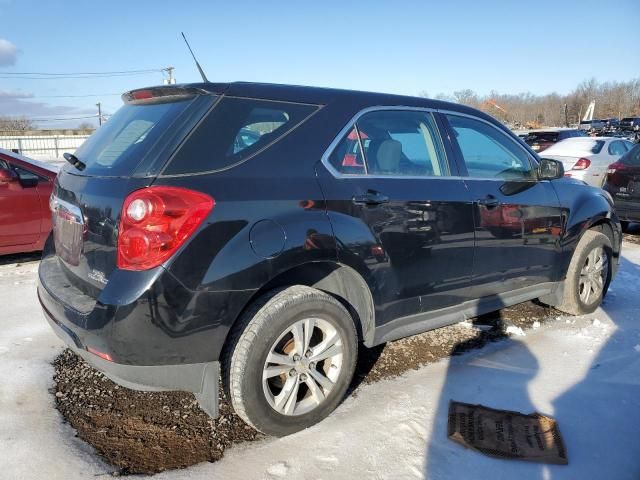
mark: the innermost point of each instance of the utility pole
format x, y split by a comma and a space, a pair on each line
170, 80
99, 105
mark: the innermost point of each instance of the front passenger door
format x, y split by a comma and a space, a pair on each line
518, 220
400, 213
20, 213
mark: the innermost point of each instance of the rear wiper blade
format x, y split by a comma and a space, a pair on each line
75, 161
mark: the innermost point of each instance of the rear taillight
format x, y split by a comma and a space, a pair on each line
614, 167
581, 164
155, 222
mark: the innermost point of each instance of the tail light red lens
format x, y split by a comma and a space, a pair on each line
582, 164
614, 167
155, 222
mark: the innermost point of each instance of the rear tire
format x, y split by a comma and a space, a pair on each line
290, 360
589, 274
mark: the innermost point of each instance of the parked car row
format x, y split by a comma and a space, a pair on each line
626, 125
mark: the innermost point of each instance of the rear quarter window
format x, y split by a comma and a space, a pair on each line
235, 130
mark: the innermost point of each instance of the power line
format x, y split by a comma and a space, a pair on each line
61, 119
85, 73
3, 76
78, 96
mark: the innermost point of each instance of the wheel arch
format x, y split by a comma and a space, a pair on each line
338, 280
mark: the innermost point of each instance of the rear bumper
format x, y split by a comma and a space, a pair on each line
198, 378
628, 213
147, 330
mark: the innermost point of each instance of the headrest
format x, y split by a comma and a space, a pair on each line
388, 156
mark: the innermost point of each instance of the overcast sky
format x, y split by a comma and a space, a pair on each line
398, 47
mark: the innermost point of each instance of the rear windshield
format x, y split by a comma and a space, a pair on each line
632, 157
235, 130
542, 137
130, 136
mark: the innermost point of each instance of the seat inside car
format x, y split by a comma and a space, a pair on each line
388, 157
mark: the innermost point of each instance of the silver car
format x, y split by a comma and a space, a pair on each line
587, 158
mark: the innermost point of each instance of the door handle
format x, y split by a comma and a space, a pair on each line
370, 198
489, 201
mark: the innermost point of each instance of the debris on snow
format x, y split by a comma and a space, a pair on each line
513, 330
506, 434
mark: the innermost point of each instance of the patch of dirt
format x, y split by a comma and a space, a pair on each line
632, 235
142, 432
148, 432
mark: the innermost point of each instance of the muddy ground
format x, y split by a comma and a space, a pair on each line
139, 432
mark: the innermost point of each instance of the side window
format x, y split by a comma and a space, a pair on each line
236, 129
395, 143
617, 148
4, 165
487, 152
259, 122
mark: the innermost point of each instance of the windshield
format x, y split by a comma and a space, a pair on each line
128, 138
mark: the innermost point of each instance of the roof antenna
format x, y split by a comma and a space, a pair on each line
204, 77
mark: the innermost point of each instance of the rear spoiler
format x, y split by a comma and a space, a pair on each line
165, 94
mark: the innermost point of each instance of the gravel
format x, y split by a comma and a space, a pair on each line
149, 432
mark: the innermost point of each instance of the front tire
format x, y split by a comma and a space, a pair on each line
589, 274
290, 360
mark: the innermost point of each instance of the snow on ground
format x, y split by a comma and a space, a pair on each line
584, 371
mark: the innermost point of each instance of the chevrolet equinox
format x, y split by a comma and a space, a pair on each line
259, 234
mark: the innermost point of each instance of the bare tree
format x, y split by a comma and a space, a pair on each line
613, 100
15, 124
86, 126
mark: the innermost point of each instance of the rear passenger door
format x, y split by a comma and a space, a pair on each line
517, 217
400, 213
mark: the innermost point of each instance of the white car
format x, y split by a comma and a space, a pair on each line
587, 158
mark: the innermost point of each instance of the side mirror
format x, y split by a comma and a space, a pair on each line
7, 176
550, 169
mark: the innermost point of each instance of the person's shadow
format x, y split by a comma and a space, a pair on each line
598, 417
496, 376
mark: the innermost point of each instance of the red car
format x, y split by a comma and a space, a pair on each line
25, 188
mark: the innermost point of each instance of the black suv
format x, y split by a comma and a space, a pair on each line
263, 232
